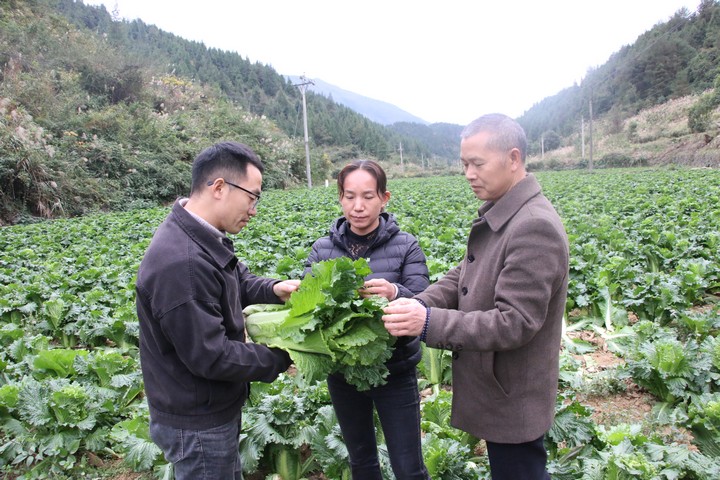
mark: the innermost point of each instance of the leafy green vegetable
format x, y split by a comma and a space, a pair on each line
326, 327
328, 445
281, 421
448, 458
705, 423
133, 436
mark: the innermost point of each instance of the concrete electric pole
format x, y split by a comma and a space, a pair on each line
590, 161
402, 165
303, 87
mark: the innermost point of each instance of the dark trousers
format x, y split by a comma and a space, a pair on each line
398, 406
524, 461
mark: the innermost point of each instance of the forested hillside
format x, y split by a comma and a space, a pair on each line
99, 113
255, 86
673, 59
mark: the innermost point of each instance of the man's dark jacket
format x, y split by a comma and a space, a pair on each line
191, 290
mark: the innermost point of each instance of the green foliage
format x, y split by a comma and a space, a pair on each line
700, 114
704, 416
672, 369
328, 446
447, 458
619, 160
57, 362
673, 59
551, 141
326, 326
572, 429
133, 437
436, 420
98, 113
435, 367
280, 419
644, 256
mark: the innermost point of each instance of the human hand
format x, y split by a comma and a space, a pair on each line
284, 357
380, 287
404, 316
285, 288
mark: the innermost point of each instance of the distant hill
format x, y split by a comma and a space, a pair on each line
376, 110
673, 60
102, 114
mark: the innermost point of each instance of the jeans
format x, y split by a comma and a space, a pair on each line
398, 406
523, 460
210, 454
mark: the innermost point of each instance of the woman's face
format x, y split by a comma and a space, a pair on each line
361, 202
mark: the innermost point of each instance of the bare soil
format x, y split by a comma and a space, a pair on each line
633, 405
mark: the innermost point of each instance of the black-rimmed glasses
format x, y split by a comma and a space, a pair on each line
255, 196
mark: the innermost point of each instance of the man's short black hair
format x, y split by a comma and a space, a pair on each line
224, 159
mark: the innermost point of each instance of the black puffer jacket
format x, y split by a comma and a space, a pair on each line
395, 256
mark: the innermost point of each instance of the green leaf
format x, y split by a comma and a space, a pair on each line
58, 361
326, 327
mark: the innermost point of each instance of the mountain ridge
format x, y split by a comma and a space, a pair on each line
378, 111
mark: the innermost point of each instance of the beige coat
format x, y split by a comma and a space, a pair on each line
500, 312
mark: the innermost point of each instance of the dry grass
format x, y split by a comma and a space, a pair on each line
658, 135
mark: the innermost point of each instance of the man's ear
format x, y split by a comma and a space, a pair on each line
515, 159
215, 187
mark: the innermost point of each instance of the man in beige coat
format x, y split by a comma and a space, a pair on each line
500, 310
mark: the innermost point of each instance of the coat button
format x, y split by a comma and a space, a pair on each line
455, 355
471, 258
464, 290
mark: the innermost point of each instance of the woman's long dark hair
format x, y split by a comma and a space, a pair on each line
369, 166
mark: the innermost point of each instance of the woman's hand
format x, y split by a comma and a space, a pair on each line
380, 287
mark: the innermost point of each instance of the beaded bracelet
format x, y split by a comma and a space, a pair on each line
423, 335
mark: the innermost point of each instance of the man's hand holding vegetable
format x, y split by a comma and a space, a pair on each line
285, 288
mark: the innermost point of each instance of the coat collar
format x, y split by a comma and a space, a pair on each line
497, 214
388, 227
219, 248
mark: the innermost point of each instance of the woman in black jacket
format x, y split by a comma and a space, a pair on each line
398, 270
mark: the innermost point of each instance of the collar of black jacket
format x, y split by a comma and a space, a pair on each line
222, 252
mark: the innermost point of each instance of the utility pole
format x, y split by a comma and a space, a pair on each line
303, 87
402, 165
590, 161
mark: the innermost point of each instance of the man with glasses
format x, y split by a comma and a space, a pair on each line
254, 196
191, 290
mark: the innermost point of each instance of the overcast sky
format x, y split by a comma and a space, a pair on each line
443, 61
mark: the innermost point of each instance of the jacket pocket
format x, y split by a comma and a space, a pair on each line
498, 386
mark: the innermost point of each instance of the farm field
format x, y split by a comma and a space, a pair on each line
640, 367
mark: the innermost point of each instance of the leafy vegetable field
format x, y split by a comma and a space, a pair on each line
640, 373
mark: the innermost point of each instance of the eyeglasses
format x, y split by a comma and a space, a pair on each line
255, 196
